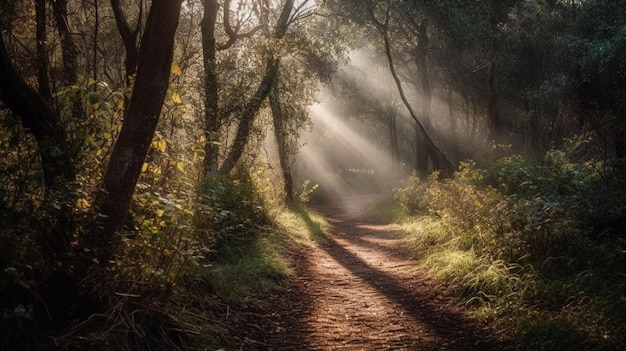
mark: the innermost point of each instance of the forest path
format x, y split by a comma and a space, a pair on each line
358, 291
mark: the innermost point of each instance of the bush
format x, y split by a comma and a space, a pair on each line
231, 216
525, 243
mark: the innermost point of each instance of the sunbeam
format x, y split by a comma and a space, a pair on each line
341, 159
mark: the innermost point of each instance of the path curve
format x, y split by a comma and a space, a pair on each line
358, 291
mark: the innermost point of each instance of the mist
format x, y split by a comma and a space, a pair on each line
347, 150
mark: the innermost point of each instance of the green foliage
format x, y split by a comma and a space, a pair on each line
304, 195
265, 264
409, 195
537, 248
262, 268
232, 216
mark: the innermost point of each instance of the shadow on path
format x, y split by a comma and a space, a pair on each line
451, 328
359, 290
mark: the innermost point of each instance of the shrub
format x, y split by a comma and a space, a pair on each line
231, 216
528, 242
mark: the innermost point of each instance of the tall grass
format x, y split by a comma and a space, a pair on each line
537, 249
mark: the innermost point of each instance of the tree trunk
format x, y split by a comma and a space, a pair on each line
421, 152
455, 137
495, 124
68, 46
140, 122
247, 117
427, 92
280, 134
440, 161
392, 126
252, 107
42, 53
69, 77
39, 118
212, 121
129, 38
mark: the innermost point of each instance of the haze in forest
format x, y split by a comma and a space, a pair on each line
158, 160
345, 151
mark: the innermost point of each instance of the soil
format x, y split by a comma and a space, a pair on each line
358, 291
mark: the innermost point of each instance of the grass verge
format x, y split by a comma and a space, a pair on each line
529, 261
264, 264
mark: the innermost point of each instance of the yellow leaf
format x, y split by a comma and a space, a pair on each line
180, 166
160, 145
82, 204
176, 98
144, 167
159, 212
176, 70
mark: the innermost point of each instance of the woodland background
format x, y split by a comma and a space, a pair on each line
154, 152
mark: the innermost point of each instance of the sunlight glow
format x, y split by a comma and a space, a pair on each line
342, 161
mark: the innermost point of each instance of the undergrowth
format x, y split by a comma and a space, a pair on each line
179, 266
537, 249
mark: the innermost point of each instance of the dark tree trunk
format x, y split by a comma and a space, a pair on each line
212, 121
280, 134
421, 152
392, 126
454, 136
42, 53
144, 109
68, 46
129, 38
69, 52
439, 159
495, 124
252, 107
247, 117
427, 91
39, 118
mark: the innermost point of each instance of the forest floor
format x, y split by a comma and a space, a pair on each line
360, 290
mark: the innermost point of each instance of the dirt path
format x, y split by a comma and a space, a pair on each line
359, 291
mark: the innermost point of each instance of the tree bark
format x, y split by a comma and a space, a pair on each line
69, 52
252, 107
495, 123
37, 116
59, 175
454, 139
68, 46
140, 122
421, 152
247, 117
440, 161
280, 134
392, 126
129, 38
42, 53
435, 155
212, 121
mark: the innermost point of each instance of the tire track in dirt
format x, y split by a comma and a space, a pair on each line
360, 291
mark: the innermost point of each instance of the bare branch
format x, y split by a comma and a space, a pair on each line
233, 34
